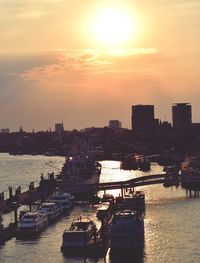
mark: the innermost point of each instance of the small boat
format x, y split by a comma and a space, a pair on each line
127, 231
31, 223
79, 236
52, 210
65, 200
129, 163
104, 211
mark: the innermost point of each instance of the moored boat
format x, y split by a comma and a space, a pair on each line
31, 223
80, 170
127, 231
129, 163
79, 236
51, 209
64, 200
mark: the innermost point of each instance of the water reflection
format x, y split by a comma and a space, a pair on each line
130, 257
171, 220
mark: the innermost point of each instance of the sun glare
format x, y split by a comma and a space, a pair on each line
113, 27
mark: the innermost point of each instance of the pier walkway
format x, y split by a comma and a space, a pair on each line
165, 179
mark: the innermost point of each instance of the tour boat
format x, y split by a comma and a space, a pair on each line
79, 236
51, 209
31, 223
65, 200
127, 231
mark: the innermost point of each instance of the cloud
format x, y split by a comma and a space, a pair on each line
88, 61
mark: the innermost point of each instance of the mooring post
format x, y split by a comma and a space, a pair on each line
15, 213
122, 192
95, 237
10, 192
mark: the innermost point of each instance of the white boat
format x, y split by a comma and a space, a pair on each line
127, 231
64, 200
51, 209
31, 223
79, 236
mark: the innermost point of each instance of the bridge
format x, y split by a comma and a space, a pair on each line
168, 179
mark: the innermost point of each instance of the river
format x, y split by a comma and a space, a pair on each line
171, 219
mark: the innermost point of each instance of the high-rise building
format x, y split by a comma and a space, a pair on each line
181, 115
115, 124
59, 130
142, 118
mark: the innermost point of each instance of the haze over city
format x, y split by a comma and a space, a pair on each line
85, 62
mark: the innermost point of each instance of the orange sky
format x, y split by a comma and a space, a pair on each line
56, 65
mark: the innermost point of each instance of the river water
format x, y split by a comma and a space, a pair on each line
171, 221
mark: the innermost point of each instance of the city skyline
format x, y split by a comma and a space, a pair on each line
57, 64
142, 118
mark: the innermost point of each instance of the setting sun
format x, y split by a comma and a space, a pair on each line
113, 27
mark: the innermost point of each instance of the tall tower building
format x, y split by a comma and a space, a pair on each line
142, 118
181, 115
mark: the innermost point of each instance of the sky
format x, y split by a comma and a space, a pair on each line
86, 62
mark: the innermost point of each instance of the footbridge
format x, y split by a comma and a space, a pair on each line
167, 180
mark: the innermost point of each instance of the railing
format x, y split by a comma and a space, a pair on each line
135, 182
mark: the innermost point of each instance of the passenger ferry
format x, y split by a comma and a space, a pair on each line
79, 236
64, 200
52, 210
31, 223
127, 231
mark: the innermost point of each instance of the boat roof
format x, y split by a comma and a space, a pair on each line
79, 225
125, 213
48, 204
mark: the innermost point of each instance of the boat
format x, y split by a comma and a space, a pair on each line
104, 211
127, 232
79, 236
131, 200
31, 223
64, 200
51, 209
143, 163
75, 174
80, 169
129, 163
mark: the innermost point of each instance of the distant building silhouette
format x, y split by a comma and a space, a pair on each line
182, 115
143, 118
59, 130
5, 130
115, 124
